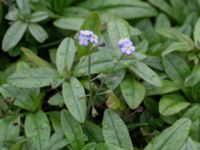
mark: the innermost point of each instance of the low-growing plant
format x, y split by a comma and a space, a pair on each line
99, 75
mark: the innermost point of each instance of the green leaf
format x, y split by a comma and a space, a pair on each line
38, 32
115, 131
117, 29
90, 146
34, 58
72, 130
162, 21
104, 146
165, 7
175, 35
177, 46
196, 34
39, 16
8, 130
93, 131
56, 142
37, 128
33, 78
13, 35
172, 138
69, 23
133, 92
194, 77
189, 145
128, 9
75, 100
102, 61
113, 80
146, 73
92, 22
56, 100
176, 68
23, 97
56, 122
167, 87
24, 6
65, 55
172, 104
13, 14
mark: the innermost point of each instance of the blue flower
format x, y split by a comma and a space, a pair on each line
87, 36
126, 46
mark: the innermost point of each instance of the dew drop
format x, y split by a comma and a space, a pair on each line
126, 64
38, 83
82, 71
115, 61
119, 123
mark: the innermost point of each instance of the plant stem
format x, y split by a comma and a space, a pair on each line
102, 83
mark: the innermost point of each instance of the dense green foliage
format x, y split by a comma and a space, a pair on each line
56, 94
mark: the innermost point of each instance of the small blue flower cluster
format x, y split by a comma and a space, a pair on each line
126, 46
87, 36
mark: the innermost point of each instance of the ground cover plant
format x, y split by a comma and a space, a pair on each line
100, 75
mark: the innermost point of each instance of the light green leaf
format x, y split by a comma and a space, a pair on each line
72, 130
8, 129
176, 68
24, 6
177, 46
13, 35
146, 73
172, 138
69, 23
115, 131
90, 146
33, 78
13, 14
189, 145
56, 100
75, 100
38, 32
65, 55
172, 104
39, 16
196, 34
133, 92
175, 35
194, 77
37, 128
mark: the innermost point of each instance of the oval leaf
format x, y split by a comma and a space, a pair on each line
72, 130
172, 104
37, 128
74, 97
33, 78
65, 55
115, 131
38, 32
133, 92
13, 35
146, 73
171, 138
